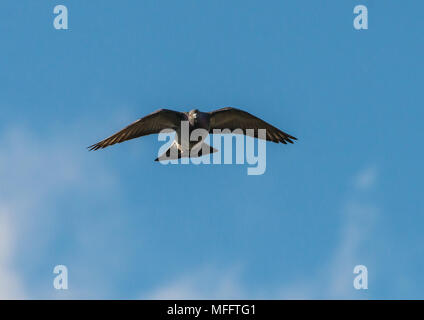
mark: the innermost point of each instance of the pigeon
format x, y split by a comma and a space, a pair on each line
165, 119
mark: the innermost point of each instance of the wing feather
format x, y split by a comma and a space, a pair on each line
152, 123
232, 118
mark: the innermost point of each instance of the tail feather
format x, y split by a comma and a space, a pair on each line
174, 152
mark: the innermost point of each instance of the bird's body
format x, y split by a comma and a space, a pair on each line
182, 146
225, 118
196, 120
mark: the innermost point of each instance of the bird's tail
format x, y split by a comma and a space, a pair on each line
174, 152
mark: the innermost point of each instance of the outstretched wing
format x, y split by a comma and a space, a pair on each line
152, 123
232, 118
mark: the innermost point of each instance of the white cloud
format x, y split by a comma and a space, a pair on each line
10, 282
359, 220
366, 178
35, 173
205, 283
334, 280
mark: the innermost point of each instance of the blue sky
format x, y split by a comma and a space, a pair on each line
348, 192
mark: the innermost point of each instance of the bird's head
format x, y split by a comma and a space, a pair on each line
193, 113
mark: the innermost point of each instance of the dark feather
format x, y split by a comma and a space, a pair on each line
152, 123
232, 118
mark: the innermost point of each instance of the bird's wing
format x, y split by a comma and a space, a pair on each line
152, 123
232, 118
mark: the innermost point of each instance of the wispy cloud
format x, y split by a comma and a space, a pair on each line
334, 279
204, 283
11, 286
36, 175
358, 217
366, 178
36, 171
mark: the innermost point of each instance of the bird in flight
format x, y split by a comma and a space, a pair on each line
221, 119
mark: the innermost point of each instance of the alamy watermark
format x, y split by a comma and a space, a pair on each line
360, 22
60, 21
360, 282
60, 281
195, 147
